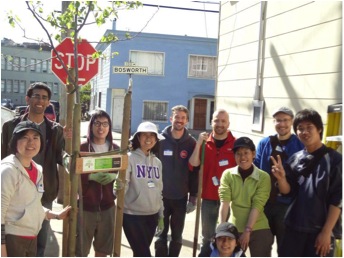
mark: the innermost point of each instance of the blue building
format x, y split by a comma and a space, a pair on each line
180, 70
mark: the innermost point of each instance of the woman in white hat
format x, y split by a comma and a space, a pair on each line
143, 205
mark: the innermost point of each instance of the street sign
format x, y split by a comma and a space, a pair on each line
130, 69
87, 66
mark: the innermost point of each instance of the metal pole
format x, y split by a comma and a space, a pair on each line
199, 194
120, 193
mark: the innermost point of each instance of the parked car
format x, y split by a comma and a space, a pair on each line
8, 103
20, 110
6, 114
49, 111
57, 109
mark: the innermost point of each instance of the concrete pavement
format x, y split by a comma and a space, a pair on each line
54, 247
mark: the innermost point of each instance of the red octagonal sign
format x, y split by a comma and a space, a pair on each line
87, 66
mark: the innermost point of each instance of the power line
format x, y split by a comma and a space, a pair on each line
180, 8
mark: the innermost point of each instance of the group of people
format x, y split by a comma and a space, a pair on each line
290, 186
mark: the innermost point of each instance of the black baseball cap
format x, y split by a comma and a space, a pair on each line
27, 125
244, 142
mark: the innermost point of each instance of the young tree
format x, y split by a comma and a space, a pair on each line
70, 22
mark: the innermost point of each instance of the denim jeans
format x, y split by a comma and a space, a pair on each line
43, 233
209, 217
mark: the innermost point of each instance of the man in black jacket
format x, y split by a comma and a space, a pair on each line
179, 179
38, 98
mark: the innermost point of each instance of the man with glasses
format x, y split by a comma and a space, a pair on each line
38, 98
98, 199
284, 144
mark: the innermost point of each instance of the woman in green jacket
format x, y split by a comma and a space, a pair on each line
244, 190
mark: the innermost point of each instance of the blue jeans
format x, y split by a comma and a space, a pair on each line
209, 217
43, 233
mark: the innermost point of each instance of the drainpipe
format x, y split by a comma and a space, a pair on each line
261, 52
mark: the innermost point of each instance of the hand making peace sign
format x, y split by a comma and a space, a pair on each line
277, 168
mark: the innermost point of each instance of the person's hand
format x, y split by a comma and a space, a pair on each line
323, 244
102, 178
64, 213
118, 184
277, 168
160, 226
202, 137
191, 205
244, 239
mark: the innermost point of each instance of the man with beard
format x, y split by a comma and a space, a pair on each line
218, 157
179, 179
284, 144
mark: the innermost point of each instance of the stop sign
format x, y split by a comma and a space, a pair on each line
87, 66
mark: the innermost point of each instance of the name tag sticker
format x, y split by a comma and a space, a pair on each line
151, 184
40, 188
168, 153
223, 162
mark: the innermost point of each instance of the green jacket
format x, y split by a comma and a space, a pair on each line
245, 195
54, 149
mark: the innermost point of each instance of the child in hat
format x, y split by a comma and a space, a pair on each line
143, 205
22, 187
226, 241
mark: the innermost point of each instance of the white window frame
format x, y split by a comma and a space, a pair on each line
33, 65
159, 116
9, 85
23, 64
3, 85
201, 67
16, 63
22, 88
155, 61
15, 86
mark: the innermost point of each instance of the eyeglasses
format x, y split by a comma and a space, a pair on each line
38, 97
280, 121
98, 124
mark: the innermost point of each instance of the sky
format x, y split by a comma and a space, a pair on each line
149, 19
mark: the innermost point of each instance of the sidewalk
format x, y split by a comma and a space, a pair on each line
54, 245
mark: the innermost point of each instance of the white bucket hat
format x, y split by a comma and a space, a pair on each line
147, 127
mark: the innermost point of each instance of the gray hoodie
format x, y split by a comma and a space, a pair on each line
21, 208
143, 190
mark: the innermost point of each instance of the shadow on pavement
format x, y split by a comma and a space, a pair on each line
52, 249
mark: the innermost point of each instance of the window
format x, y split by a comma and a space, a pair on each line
9, 86
44, 66
202, 67
49, 66
16, 86
9, 61
16, 64
39, 66
22, 88
56, 88
155, 111
153, 60
2, 85
3, 62
23, 64
32, 65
